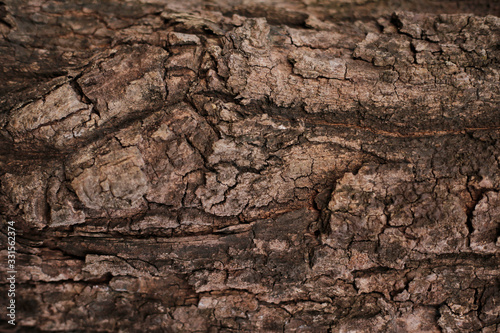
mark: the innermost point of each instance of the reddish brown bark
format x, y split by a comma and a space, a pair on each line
299, 166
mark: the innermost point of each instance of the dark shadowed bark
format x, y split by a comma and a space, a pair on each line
241, 166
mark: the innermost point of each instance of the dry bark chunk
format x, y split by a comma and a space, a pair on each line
116, 180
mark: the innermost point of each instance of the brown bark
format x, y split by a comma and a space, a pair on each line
303, 166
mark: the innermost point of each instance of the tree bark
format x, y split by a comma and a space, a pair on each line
288, 166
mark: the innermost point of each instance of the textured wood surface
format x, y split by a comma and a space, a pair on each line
240, 166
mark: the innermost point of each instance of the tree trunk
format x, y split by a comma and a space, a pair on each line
289, 166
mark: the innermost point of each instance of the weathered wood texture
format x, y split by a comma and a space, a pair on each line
239, 166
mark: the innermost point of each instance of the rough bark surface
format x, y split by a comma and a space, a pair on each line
239, 166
